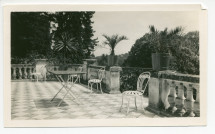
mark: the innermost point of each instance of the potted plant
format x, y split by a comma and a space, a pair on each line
160, 42
112, 42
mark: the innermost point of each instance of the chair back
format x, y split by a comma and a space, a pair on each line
101, 73
143, 79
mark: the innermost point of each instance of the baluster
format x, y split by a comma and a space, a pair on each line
180, 99
20, 73
189, 103
172, 96
25, 73
165, 93
30, 72
196, 103
14, 73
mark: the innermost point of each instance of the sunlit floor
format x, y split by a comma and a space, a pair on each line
31, 101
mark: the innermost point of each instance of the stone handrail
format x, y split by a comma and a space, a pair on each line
24, 71
174, 94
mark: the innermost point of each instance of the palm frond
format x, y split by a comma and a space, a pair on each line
176, 31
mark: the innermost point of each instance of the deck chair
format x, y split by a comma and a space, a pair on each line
142, 79
39, 72
98, 81
71, 77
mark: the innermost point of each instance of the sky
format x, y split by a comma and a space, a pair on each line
134, 24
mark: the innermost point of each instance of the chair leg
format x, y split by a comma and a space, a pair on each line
101, 88
121, 104
36, 77
88, 85
135, 99
128, 106
141, 102
91, 84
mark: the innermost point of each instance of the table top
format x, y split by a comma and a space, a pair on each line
66, 72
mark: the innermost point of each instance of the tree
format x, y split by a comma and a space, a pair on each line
78, 26
29, 35
160, 41
112, 41
184, 47
102, 60
65, 44
139, 55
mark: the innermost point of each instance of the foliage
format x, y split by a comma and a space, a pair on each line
32, 36
74, 34
186, 53
160, 41
112, 41
139, 55
185, 50
102, 60
129, 77
29, 34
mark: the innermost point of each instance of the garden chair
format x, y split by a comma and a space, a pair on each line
142, 79
71, 77
39, 72
98, 81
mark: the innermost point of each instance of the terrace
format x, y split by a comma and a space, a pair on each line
168, 95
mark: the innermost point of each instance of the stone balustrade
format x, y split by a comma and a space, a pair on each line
173, 94
24, 71
21, 71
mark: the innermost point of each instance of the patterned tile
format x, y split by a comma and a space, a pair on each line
32, 101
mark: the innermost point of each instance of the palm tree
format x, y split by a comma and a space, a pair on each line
112, 41
66, 44
161, 40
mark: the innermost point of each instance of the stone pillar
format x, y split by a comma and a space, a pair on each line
114, 80
154, 95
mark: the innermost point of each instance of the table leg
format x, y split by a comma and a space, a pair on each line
68, 89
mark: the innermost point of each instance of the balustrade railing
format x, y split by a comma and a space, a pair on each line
179, 94
21, 71
24, 71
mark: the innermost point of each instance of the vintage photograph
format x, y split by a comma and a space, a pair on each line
68, 65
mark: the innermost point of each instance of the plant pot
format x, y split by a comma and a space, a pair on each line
160, 61
112, 60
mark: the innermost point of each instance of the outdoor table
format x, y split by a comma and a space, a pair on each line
63, 78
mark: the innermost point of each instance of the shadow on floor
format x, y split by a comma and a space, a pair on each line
47, 103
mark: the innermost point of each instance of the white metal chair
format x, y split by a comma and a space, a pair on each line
101, 73
39, 72
143, 78
71, 77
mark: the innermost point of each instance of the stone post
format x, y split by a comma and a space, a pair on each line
154, 95
114, 80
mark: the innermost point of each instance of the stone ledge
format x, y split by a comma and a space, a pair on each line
115, 69
175, 76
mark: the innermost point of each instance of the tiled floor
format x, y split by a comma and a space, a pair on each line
31, 101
